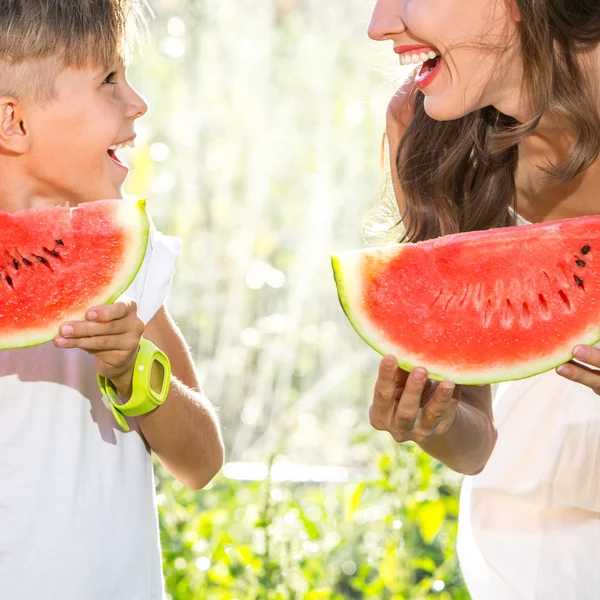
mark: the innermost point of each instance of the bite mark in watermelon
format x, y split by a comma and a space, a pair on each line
481, 307
56, 262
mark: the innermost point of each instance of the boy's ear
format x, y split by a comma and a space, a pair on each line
13, 133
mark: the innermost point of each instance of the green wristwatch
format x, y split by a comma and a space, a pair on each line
150, 385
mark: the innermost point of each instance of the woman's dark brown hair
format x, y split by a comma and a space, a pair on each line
460, 175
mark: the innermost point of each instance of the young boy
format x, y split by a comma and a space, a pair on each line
77, 510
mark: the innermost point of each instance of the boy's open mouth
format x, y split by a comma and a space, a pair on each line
112, 154
112, 151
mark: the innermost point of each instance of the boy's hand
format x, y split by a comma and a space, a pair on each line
112, 335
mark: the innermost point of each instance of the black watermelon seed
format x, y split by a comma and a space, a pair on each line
16, 264
585, 249
42, 259
578, 280
580, 263
9, 280
52, 252
59, 242
26, 262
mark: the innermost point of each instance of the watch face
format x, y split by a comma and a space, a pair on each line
157, 378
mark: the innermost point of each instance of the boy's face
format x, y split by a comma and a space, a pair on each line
70, 155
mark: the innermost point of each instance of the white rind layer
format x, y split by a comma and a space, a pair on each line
347, 271
132, 217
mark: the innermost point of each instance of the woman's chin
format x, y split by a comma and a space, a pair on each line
441, 109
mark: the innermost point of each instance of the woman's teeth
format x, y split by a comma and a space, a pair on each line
415, 59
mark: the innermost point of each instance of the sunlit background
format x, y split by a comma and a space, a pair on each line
262, 151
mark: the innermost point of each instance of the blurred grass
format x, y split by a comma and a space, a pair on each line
262, 151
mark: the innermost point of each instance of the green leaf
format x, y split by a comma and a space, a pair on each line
311, 528
430, 516
353, 502
318, 594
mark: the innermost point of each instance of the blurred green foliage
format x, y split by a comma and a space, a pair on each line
390, 536
262, 151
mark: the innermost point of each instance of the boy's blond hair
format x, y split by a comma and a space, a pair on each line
40, 38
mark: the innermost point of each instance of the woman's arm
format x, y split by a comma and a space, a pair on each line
454, 425
467, 444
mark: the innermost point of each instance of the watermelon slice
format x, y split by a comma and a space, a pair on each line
56, 262
482, 307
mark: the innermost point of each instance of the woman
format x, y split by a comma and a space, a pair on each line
500, 125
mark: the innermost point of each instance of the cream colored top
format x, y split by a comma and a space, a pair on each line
529, 524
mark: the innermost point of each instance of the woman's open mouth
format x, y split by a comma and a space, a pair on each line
429, 58
428, 72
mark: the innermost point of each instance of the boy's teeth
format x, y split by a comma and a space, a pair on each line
415, 59
129, 144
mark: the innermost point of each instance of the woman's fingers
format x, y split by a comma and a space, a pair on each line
440, 408
409, 404
581, 374
384, 395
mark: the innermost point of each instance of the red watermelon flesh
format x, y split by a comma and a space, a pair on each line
56, 262
479, 307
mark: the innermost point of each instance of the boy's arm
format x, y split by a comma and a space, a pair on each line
184, 431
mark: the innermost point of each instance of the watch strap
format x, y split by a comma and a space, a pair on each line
151, 366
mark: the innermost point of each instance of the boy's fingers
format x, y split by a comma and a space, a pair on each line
111, 312
102, 343
83, 329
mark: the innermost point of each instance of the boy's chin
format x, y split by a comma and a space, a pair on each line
114, 191
106, 192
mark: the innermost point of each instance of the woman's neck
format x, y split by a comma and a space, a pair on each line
542, 199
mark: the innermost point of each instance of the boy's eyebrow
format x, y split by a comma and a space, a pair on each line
117, 64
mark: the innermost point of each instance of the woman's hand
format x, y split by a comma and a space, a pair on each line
582, 373
411, 407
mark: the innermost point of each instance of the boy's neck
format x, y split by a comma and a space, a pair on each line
18, 191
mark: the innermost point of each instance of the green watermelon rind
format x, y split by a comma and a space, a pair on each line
134, 216
348, 282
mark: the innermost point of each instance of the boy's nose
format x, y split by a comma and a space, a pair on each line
137, 105
386, 20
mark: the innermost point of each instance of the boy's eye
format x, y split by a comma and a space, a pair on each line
110, 79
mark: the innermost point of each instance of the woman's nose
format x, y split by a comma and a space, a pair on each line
386, 20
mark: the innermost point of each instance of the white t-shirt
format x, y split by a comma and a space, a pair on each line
78, 518
529, 524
